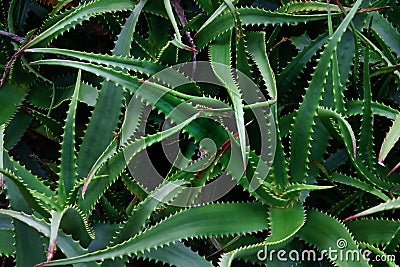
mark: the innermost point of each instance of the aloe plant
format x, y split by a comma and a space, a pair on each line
302, 119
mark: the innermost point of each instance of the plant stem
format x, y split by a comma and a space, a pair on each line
11, 61
182, 18
14, 37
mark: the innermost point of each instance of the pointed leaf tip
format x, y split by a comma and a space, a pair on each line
84, 188
394, 169
86, 184
352, 217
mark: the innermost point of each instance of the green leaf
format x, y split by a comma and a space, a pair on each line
107, 153
118, 162
68, 160
153, 94
114, 61
28, 244
302, 187
49, 123
227, 258
300, 141
220, 57
88, 94
134, 113
249, 16
29, 180
354, 107
60, 5
256, 171
384, 70
206, 5
287, 76
349, 140
257, 50
215, 14
171, 17
351, 181
388, 33
388, 205
166, 100
387, 258
391, 139
67, 245
163, 194
11, 96
176, 254
306, 7
35, 200
7, 247
335, 74
213, 219
103, 122
16, 129
373, 231
380, 53
281, 228
347, 132
75, 224
105, 117
326, 233
123, 44
77, 16
366, 133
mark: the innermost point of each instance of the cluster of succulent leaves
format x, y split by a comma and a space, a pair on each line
330, 73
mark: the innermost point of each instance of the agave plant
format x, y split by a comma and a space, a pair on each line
327, 168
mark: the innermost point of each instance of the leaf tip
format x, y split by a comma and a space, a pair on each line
394, 169
351, 217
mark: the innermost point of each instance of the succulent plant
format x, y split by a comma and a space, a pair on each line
88, 87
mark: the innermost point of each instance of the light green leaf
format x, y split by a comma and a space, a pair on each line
67, 245
390, 140
388, 205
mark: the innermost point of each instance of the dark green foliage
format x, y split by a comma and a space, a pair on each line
86, 109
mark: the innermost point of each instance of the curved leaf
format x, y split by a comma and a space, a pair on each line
118, 162
373, 231
390, 140
327, 234
249, 16
114, 61
107, 111
281, 228
220, 56
213, 219
388, 205
67, 245
77, 16
176, 254
306, 114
